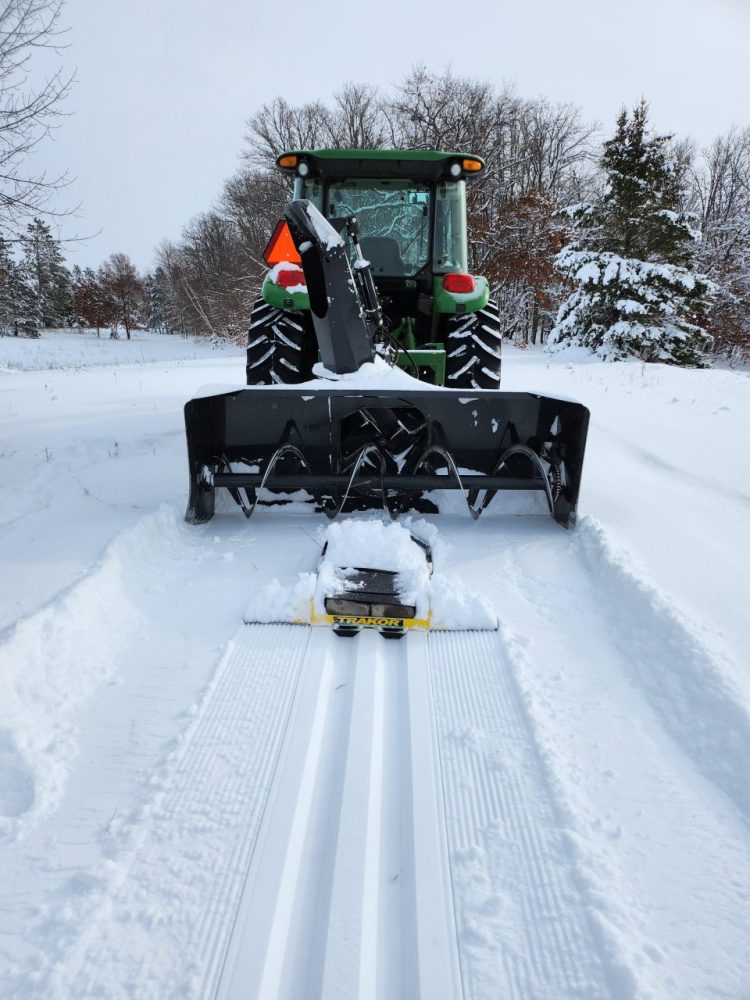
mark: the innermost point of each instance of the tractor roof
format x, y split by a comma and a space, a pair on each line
413, 164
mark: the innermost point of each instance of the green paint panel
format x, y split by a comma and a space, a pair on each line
282, 298
432, 357
450, 303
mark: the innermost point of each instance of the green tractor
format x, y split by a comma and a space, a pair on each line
410, 208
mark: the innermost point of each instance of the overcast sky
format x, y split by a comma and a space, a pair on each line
164, 87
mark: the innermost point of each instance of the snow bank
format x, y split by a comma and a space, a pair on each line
683, 668
50, 665
276, 603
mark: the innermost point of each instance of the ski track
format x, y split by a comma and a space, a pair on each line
193, 841
349, 894
645, 742
524, 930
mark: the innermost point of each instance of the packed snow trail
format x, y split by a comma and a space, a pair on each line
529, 813
586, 817
349, 894
201, 832
319, 759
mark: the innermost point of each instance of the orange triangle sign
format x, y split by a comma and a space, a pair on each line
281, 246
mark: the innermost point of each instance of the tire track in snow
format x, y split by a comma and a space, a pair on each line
160, 927
523, 927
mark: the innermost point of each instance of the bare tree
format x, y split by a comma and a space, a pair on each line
720, 196
278, 126
538, 156
252, 201
27, 113
555, 143
92, 303
206, 286
359, 118
119, 279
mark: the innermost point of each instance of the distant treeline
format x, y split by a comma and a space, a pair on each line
547, 170
38, 290
541, 158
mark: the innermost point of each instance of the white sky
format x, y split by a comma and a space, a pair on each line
165, 86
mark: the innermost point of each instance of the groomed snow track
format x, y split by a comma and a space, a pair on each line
378, 790
528, 813
352, 779
363, 788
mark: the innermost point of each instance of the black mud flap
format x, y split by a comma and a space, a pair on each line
384, 448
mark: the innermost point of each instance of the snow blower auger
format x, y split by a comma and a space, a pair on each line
374, 440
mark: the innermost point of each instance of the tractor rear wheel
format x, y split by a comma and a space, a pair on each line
281, 346
473, 348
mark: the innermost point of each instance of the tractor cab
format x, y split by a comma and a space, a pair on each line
411, 227
410, 206
410, 212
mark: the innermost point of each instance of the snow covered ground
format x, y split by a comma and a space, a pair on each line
193, 807
64, 349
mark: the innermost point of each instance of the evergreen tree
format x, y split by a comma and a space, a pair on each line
48, 275
635, 295
8, 308
155, 290
17, 298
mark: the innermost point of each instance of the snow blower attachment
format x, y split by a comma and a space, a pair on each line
359, 443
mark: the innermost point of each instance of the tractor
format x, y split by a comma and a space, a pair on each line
410, 206
369, 267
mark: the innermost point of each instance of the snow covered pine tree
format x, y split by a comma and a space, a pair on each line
45, 267
636, 295
18, 308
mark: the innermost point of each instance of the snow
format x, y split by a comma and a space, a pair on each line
609, 267
285, 265
373, 544
323, 229
377, 374
64, 349
558, 808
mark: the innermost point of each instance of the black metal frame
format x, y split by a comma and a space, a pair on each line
291, 439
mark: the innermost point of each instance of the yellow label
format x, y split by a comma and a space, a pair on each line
375, 622
364, 622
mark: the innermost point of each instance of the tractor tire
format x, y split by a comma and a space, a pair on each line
281, 346
473, 348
